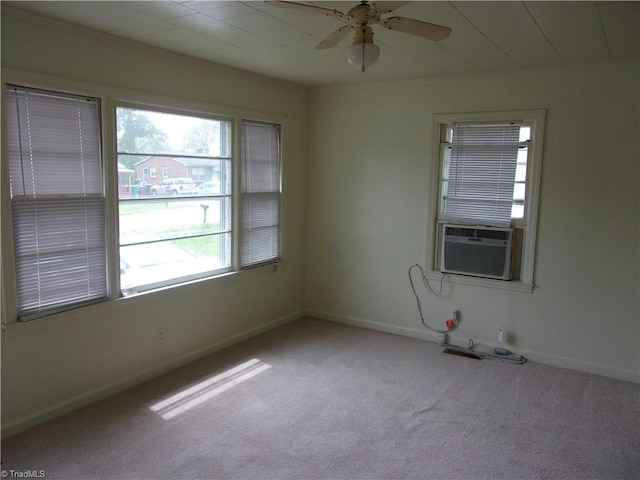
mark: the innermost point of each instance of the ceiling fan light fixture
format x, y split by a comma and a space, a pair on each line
363, 53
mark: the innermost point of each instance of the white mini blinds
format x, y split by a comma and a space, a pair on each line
479, 172
261, 191
57, 198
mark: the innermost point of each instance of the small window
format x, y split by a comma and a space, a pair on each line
174, 232
489, 168
261, 194
198, 174
479, 166
165, 172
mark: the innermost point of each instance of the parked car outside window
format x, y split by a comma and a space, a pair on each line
174, 186
208, 188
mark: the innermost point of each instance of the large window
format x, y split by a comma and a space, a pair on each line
489, 168
185, 196
177, 227
57, 200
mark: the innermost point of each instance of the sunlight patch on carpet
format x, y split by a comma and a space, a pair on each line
209, 388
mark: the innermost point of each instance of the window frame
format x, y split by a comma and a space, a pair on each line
73, 208
247, 231
233, 159
528, 224
109, 96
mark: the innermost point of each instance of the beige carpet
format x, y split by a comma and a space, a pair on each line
316, 400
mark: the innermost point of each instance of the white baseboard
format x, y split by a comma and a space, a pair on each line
537, 357
74, 403
67, 406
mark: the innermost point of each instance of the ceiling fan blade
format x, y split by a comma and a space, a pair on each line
335, 38
307, 8
388, 7
422, 29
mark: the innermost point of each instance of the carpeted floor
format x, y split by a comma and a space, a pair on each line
317, 400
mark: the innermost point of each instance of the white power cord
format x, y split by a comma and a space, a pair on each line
507, 358
426, 284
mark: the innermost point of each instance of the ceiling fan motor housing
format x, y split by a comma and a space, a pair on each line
363, 14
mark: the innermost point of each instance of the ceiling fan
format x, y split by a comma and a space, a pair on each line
363, 52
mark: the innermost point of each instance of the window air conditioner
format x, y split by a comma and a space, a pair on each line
477, 251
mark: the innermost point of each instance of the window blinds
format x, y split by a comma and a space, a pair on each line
479, 181
260, 190
55, 176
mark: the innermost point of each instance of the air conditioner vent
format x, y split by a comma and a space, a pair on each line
477, 251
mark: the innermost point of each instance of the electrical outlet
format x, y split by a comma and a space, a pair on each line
500, 335
160, 335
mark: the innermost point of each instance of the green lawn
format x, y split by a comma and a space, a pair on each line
205, 246
128, 208
208, 246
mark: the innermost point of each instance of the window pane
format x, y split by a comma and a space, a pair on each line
517, 211
521, 170
165, 241
158, 264
525, 134
181, 176
152, 220
447, 133
147, 132
446, 166
479, 169
518, 192
60, 253
175, 197
54, 144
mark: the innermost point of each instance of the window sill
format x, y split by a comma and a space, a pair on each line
512, 285
80, 314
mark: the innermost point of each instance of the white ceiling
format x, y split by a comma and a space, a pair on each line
278, 42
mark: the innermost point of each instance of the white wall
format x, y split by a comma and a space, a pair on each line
370, 151
366, 192
55, 364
